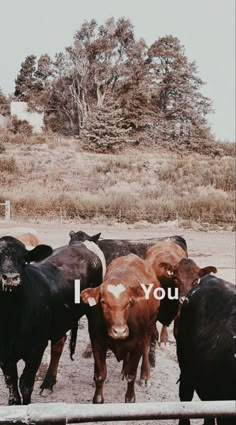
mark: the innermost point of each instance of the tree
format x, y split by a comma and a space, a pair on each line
104, 131
179, 99
25, 81
88, 72
106, 74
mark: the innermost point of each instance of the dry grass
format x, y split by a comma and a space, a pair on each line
56, 179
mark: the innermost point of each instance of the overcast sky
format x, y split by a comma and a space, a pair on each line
205, 27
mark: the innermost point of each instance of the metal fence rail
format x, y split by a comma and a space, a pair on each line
62, 413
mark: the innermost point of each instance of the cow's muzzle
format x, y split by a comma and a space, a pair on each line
9, 281
119, 332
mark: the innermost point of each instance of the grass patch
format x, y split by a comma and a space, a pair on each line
60, 181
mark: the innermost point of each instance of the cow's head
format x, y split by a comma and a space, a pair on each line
82, 237
13, 258
115, 300
187, 274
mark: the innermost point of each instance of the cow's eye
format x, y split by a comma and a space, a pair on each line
103, 302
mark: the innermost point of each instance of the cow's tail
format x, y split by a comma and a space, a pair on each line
73, 339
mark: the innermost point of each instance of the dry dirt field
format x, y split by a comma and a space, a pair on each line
75, 379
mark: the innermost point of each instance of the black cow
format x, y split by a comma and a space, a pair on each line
37, 305
206, 344
114, 248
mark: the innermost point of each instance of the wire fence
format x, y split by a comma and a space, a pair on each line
117, 215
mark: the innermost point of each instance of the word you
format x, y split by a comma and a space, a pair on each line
158, 293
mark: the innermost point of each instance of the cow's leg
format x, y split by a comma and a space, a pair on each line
153, 343
11, 379
100, 372
164, 335
131, 372
145, 367
28, 376
125, 361
209, 421
51, 375
176, 326
186, 391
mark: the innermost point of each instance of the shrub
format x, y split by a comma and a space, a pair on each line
20, 126
8, 165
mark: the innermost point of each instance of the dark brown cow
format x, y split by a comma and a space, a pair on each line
122, 320
206, 344
169, 261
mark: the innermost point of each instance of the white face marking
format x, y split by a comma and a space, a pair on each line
92, 246
116, 290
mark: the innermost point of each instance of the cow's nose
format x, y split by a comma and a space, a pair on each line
120, 332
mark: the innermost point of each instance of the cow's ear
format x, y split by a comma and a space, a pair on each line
207, 270
90, 296
39, 253
137, 293
72, 233
166, 269
95, 238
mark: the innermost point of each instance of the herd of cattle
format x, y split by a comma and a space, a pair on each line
126, 287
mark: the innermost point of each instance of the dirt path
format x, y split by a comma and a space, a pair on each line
75, 379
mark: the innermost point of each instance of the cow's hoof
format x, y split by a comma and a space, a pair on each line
14, 402
98, 399
46, 392
130, 399
144, 383
48, 384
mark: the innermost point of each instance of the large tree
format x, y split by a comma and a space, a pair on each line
106, 69
179, 99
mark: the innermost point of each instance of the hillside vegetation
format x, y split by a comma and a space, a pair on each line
58, 179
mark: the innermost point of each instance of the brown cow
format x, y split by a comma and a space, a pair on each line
163, 257
28, 236
122, 320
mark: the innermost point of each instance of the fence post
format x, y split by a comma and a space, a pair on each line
7, 211
177, 219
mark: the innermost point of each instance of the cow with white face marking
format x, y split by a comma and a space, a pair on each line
121, 318
114, 248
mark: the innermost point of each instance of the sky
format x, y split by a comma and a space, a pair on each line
206, 28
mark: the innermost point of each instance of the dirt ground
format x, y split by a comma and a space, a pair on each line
75, 379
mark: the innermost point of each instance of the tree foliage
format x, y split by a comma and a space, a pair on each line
4, 104
107, 74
